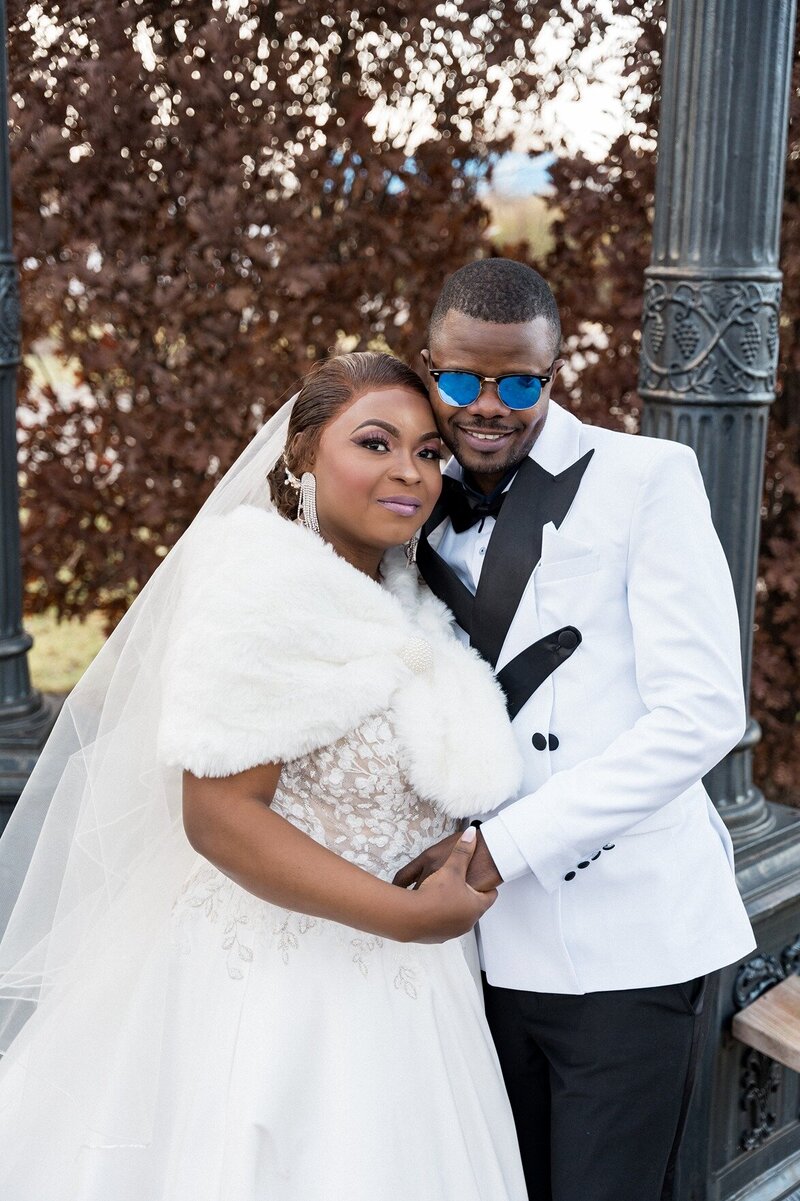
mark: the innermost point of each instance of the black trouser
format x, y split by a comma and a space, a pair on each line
599, 1085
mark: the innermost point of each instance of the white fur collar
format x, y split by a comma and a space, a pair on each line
279, 647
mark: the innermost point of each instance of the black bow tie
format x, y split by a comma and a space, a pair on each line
464, 509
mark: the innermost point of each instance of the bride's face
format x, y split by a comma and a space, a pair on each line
378, 470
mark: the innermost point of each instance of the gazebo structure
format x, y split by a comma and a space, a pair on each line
707, 377
709, 356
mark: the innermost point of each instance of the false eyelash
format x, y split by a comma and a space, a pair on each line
381, 438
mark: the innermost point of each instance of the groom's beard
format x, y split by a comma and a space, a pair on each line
489, 462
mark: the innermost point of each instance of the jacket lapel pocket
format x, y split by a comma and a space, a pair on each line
564, 558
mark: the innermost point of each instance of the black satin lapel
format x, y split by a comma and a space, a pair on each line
520, 678
444, 583
515, 547
513, 551
439, 510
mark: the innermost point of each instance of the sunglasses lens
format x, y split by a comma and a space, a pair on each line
520, 391
458, 387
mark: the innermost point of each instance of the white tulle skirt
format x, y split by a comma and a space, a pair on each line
259, 1055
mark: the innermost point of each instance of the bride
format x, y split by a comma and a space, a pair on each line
209, 988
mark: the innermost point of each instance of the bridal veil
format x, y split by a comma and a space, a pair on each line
100, 813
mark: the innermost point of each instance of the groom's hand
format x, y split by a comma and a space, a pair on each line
481, 873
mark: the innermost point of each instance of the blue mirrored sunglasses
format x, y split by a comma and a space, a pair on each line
462, 388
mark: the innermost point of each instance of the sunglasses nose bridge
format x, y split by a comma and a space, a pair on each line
488, 396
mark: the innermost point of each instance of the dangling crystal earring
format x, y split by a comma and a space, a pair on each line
411, 549
307, 506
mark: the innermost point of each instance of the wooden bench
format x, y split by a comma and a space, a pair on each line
772, 1023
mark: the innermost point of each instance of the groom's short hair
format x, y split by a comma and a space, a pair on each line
498, 290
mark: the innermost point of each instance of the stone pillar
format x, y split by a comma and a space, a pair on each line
26, 717
712, 294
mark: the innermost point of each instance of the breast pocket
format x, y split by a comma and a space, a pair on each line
567, 569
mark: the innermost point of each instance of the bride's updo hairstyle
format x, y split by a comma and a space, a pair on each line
330, 386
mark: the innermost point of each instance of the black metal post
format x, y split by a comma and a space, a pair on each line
710, 326
707, 377
26, 717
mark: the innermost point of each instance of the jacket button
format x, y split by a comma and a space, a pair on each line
584, 863
570, 876
609, 846
539, 741
568, 640
552, 742
597, 856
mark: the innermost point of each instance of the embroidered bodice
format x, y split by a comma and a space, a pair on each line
353, 798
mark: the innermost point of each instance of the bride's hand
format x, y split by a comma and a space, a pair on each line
482, 872
444, 906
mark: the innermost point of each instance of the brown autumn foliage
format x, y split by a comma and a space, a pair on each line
209, 195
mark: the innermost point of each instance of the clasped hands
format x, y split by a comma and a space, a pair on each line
482, 875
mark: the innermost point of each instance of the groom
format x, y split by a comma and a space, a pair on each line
584, 566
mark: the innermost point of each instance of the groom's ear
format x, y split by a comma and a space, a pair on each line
557, 365
425, 358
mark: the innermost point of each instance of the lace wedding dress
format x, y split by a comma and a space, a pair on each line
301, 1060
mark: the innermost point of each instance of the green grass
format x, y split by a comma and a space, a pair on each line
62, 650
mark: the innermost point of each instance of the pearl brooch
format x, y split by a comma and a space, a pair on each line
417, 655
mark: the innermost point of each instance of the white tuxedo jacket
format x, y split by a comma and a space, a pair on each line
618, 870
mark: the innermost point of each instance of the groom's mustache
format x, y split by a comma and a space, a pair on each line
486, 427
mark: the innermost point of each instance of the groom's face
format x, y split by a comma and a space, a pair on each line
486, 437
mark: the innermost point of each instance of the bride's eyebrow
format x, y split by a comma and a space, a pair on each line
384, 425
391, 429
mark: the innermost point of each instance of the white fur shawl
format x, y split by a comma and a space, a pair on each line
280, 647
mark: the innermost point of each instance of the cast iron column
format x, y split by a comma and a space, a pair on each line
710, 323
25, 716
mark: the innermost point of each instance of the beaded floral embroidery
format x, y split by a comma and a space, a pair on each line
353, 798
